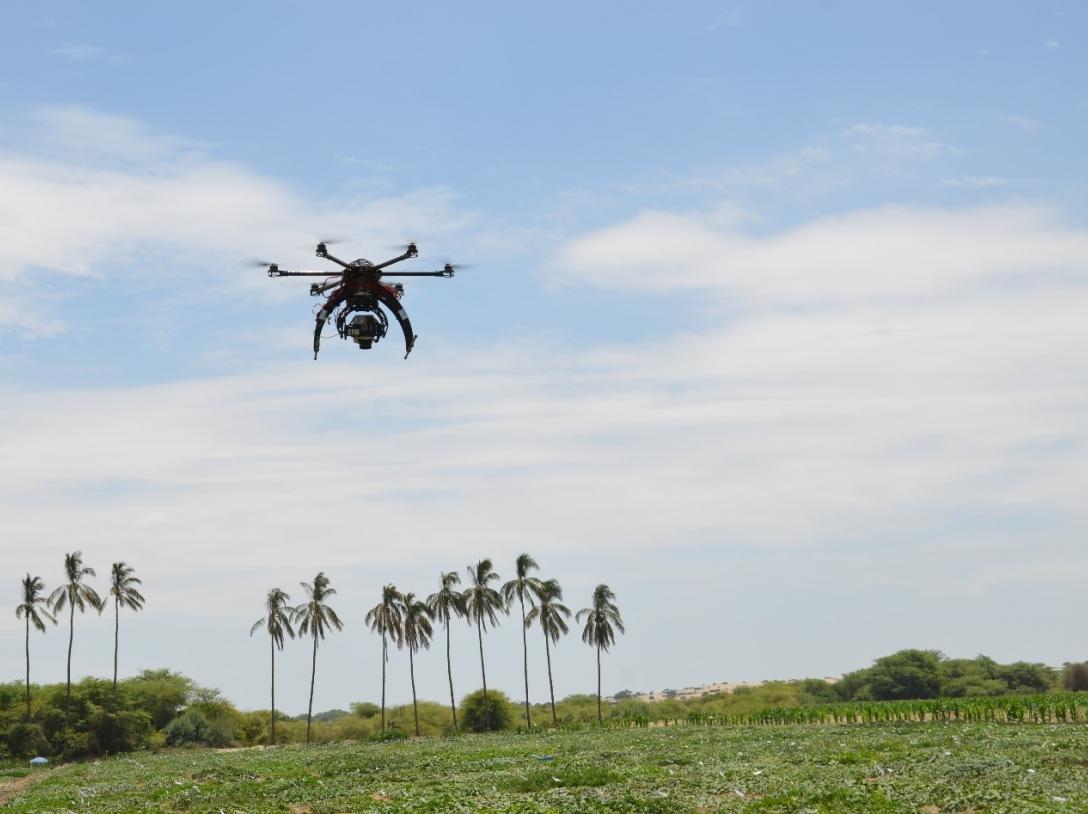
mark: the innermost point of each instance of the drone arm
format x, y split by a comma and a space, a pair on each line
274, 271
410, 252
443, 273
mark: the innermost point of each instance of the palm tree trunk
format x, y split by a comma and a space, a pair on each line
116, 640
273, 641
483, 675
385, 658
28, 668
551, 687
449, 672
412, 671
525, 660
599, 718
313, 675
68, 684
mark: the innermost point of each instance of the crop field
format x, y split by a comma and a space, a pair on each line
919, 767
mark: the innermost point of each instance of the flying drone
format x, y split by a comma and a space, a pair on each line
354, 297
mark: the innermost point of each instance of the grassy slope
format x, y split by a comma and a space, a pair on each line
909, 768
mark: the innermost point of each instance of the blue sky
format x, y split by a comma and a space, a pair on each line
774, 323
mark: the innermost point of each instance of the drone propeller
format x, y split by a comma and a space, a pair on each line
257, 264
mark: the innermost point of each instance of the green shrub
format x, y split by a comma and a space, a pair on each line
188, 729
496, 714
26, 740
390, 735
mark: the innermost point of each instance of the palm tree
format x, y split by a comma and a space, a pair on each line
35, 609
552, 614
520, 587
483, 604
417, 632
125, 594
598, 631
385, 618
444, 605
277, 621
314, 617
75, 594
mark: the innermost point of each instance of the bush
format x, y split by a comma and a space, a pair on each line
111, 732
1075, 676
365, 709
26, 740
477, 716
390, 735
188, 729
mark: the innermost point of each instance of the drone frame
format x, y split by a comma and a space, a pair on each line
358, 287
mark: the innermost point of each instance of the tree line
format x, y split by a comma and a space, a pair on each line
406, 620
36, 609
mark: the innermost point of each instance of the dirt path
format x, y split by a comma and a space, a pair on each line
13, 788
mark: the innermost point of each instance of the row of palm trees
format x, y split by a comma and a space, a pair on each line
406, 620
76, 594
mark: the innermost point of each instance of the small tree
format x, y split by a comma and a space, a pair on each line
523, 587
445, 604
315, 617
484, 604
277, 621
125, 595
417, 632
75, 594
486, 712
35, 609
385, 618
602, 622
552, 615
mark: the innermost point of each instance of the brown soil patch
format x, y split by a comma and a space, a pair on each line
13, 788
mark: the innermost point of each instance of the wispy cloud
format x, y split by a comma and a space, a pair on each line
1023, 122
976, 181
1053, 45
897, 140
727, 19
85, 53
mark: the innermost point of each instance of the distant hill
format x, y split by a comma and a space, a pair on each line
327, 716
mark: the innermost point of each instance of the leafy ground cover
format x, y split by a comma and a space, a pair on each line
919, 767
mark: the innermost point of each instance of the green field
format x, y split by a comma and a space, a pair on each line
878, 768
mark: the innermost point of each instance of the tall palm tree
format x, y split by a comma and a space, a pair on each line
277, 621
315, 617
444, 605
75, 594
552, 614
386, 618
523, 587
483, 604
417, 632
599, 632
35, 609
125, 595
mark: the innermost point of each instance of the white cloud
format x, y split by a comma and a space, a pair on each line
1052, 45
897, 140
891, 253
97, 192
976, 181
79, 53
